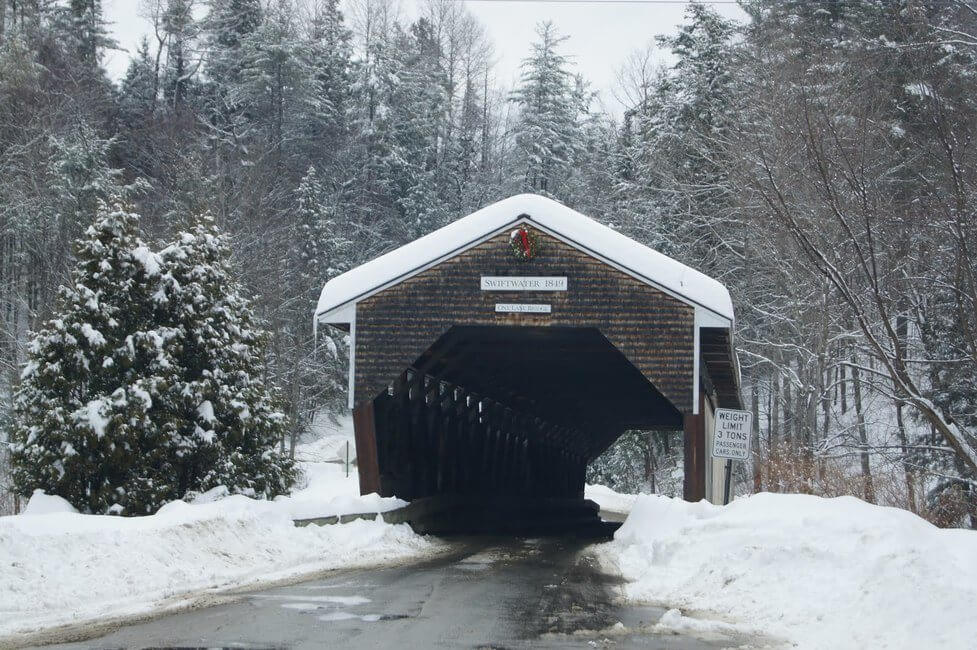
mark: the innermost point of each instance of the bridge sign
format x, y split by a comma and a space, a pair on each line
731, 434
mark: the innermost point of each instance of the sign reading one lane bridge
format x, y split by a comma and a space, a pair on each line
732, 433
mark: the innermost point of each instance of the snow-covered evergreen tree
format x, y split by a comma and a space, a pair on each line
677, 192
547, 135
329, 54
227, 25
223, 422
137, 96
82, 422
279, 88
314, 366
321, 251
179, 76
87, 33
147, 384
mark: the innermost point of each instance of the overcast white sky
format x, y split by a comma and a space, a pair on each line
602, 32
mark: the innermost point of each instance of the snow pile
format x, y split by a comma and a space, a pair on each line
608, 499
328, 491
324, 489
64, 567
45, 504
824, 573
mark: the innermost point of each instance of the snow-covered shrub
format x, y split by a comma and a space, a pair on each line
146, 382
224, 422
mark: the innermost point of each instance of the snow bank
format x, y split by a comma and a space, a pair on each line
824, 573
328, 491
608, 499
324, 489
45, 504
58, 566
65, 567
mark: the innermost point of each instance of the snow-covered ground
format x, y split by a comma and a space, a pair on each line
333, 441
58, 567
822, 573
608, 499
326, 491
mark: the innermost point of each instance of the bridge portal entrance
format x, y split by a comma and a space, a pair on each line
499, 355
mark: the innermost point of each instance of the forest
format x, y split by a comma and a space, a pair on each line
819, 158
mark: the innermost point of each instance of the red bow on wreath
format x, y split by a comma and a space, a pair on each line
525, 243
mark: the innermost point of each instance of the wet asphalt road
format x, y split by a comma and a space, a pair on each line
489, 593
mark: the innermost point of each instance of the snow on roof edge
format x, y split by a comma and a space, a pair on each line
580, 230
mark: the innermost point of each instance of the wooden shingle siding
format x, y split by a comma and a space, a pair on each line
652, 329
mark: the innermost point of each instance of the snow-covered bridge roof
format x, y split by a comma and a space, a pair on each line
584, 233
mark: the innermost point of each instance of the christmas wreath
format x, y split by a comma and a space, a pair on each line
525, 243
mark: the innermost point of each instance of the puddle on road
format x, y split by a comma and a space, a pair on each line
368, 618
317, 604
346, 616
478, 561
306, 598
305, 607
338, 585
232, 646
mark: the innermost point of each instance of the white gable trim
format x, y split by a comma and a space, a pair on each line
341, 313
624, 269
345, 312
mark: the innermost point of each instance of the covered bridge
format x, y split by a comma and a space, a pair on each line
502, 353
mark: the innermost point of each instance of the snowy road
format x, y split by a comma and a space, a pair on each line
544, 593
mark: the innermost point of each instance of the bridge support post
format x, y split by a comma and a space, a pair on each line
365, 433
694, 488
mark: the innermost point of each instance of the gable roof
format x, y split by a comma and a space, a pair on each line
582, 232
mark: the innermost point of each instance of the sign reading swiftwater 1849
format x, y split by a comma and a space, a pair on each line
543, 283
732, 434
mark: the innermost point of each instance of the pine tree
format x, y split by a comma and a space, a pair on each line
317, 368
78, 178
547, 135
321, 251
420, 103
82, 422
329, 54
279, 89
223, 422
137, 96
181, 31
228, 24
88, 33
147, 385
684, 163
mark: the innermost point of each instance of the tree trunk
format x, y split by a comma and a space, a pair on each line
650, 464
902, 333
755, 407
773, 424
843, 385
869, 487
788, 423
907, 468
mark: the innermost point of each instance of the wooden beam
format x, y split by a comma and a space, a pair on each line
694, 488
364, 431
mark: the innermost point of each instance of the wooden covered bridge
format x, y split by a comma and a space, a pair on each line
502, 353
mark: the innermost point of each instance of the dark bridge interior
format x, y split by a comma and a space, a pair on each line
509, 412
